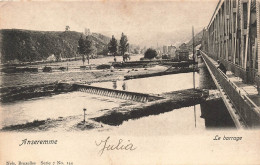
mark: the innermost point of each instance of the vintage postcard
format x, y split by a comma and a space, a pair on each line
130, 82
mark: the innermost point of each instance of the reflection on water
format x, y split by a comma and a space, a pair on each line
205, 80
114, 84
124, 87
216, 114
155, 85
209, 115
61, 105
176, 121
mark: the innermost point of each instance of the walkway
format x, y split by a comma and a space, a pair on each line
242, 100
247, 89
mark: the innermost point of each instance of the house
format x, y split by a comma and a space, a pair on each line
172, 51
183, 55
52, 57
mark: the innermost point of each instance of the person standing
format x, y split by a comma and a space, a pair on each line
221, 67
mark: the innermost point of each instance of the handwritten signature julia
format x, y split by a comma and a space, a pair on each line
120, 145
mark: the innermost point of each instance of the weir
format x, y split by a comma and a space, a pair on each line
168, 102
126, 95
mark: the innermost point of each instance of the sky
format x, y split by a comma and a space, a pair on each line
146, 23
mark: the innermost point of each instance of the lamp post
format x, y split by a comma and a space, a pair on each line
84, 109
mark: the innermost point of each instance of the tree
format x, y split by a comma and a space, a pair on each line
137, 50
123, 45
67, 28
86, 47
150, 53
81, 48
112, 45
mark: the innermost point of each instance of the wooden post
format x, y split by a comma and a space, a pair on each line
193, 70
247, 32
254, 56
84, 109
235, 39
193, 57
258, 33
242, 34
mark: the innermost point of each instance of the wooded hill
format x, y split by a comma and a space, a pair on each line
29, 46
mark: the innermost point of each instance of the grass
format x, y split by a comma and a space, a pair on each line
28, 125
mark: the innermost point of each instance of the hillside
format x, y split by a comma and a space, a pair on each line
197, 39
28, 46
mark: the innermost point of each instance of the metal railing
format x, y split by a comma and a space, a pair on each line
247, 75
248, 111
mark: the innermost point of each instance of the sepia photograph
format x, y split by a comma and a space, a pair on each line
105, 82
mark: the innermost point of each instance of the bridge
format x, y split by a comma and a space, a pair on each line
233, 37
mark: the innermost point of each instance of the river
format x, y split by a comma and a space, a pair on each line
154, 85
70, 104
62, 105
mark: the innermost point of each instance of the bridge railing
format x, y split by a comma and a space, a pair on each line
246, 108
247, 75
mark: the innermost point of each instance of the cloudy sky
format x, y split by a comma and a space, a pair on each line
144, 22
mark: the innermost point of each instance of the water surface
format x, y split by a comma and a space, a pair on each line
169, 123
61, 105
154, 85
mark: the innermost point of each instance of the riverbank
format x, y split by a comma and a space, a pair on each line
11, 94
171, 101
71, 123
80, 76
167, 72
103, 119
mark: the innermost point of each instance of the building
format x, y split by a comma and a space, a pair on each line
52, 57
183, 55
165, 49
87, 32
172, 51
159, 52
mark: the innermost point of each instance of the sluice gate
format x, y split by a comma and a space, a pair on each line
126, 95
